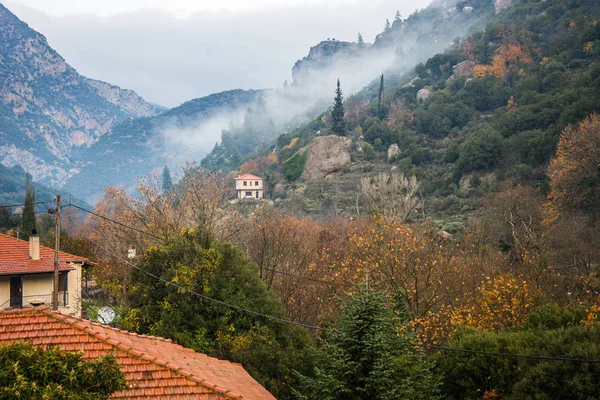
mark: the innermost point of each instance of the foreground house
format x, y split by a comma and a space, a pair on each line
248, 186
154, 368
27, 275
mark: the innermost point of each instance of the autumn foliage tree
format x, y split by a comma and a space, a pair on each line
575, 170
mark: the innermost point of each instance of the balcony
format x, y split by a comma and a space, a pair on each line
37, 300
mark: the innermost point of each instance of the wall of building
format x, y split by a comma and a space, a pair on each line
39, 287
251, 187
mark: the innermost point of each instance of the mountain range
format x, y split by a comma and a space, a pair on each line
81, 135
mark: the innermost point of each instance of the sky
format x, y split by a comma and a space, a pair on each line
171, 51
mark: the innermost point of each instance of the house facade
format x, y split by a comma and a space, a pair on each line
154, 368
27, 276
248, 186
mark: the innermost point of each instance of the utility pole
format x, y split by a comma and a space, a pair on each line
56, 250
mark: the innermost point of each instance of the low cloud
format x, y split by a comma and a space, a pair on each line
169, 59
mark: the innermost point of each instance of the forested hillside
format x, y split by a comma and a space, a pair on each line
433, 236
488, 110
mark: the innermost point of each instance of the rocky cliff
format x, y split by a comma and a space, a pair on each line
322, 56
47, 109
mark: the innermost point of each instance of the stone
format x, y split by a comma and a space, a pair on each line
423, 94
326, 155
464, 68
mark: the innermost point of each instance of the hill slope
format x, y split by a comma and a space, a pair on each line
47, 108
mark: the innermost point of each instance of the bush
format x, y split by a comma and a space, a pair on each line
293, 167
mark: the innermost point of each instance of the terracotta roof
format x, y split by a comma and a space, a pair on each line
14, 258
250, 177
155, 368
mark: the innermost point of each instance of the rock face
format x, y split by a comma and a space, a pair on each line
393, 152
326, 154
464, 68
47, 109
324, 55
423, 94
502, 4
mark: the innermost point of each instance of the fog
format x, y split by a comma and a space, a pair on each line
169, 59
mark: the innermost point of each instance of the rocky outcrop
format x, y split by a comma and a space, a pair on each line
393, 152
326, 155
423, 94
464, 68
324, 55
502, 4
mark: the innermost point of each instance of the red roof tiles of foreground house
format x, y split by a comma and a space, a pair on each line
249, 177
14, 258
155, 368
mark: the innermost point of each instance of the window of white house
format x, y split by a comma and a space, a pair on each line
256, 183
245, 183
249, 194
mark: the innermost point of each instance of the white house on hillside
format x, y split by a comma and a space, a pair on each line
249, 186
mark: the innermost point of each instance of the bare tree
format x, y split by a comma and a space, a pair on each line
392, 195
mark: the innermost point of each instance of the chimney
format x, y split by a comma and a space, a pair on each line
34, 245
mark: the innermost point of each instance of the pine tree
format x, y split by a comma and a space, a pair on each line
361, 41
337, 114
167, 183
28, 223
380, 107
398, 16
369, 356
387, 25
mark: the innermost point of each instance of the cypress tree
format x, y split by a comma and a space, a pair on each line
167, 182
380, 107
361, 41
337, 114
28, 223
387, 25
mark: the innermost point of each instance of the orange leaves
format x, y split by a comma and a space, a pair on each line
512, 104
575, 180
506, 59
502, 302
589, 48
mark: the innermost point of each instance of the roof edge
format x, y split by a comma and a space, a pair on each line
188, 375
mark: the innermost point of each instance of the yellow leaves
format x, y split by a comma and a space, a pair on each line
589, 48
572, 25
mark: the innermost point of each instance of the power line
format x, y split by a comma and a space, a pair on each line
308, 326
283, 320
159, 238
23, 204
115, 222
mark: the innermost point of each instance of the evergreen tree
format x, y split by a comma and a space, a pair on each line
361, 41
337, 114
167, 183
398, 16
387, 25
28, 223
380, 107
369, 357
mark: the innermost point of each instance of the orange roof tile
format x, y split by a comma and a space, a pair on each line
248, 176
154, 368
14, 258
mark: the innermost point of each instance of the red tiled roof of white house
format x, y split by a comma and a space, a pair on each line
15, 258
154, 368
249, 177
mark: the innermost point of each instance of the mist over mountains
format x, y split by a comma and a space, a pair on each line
82, 135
